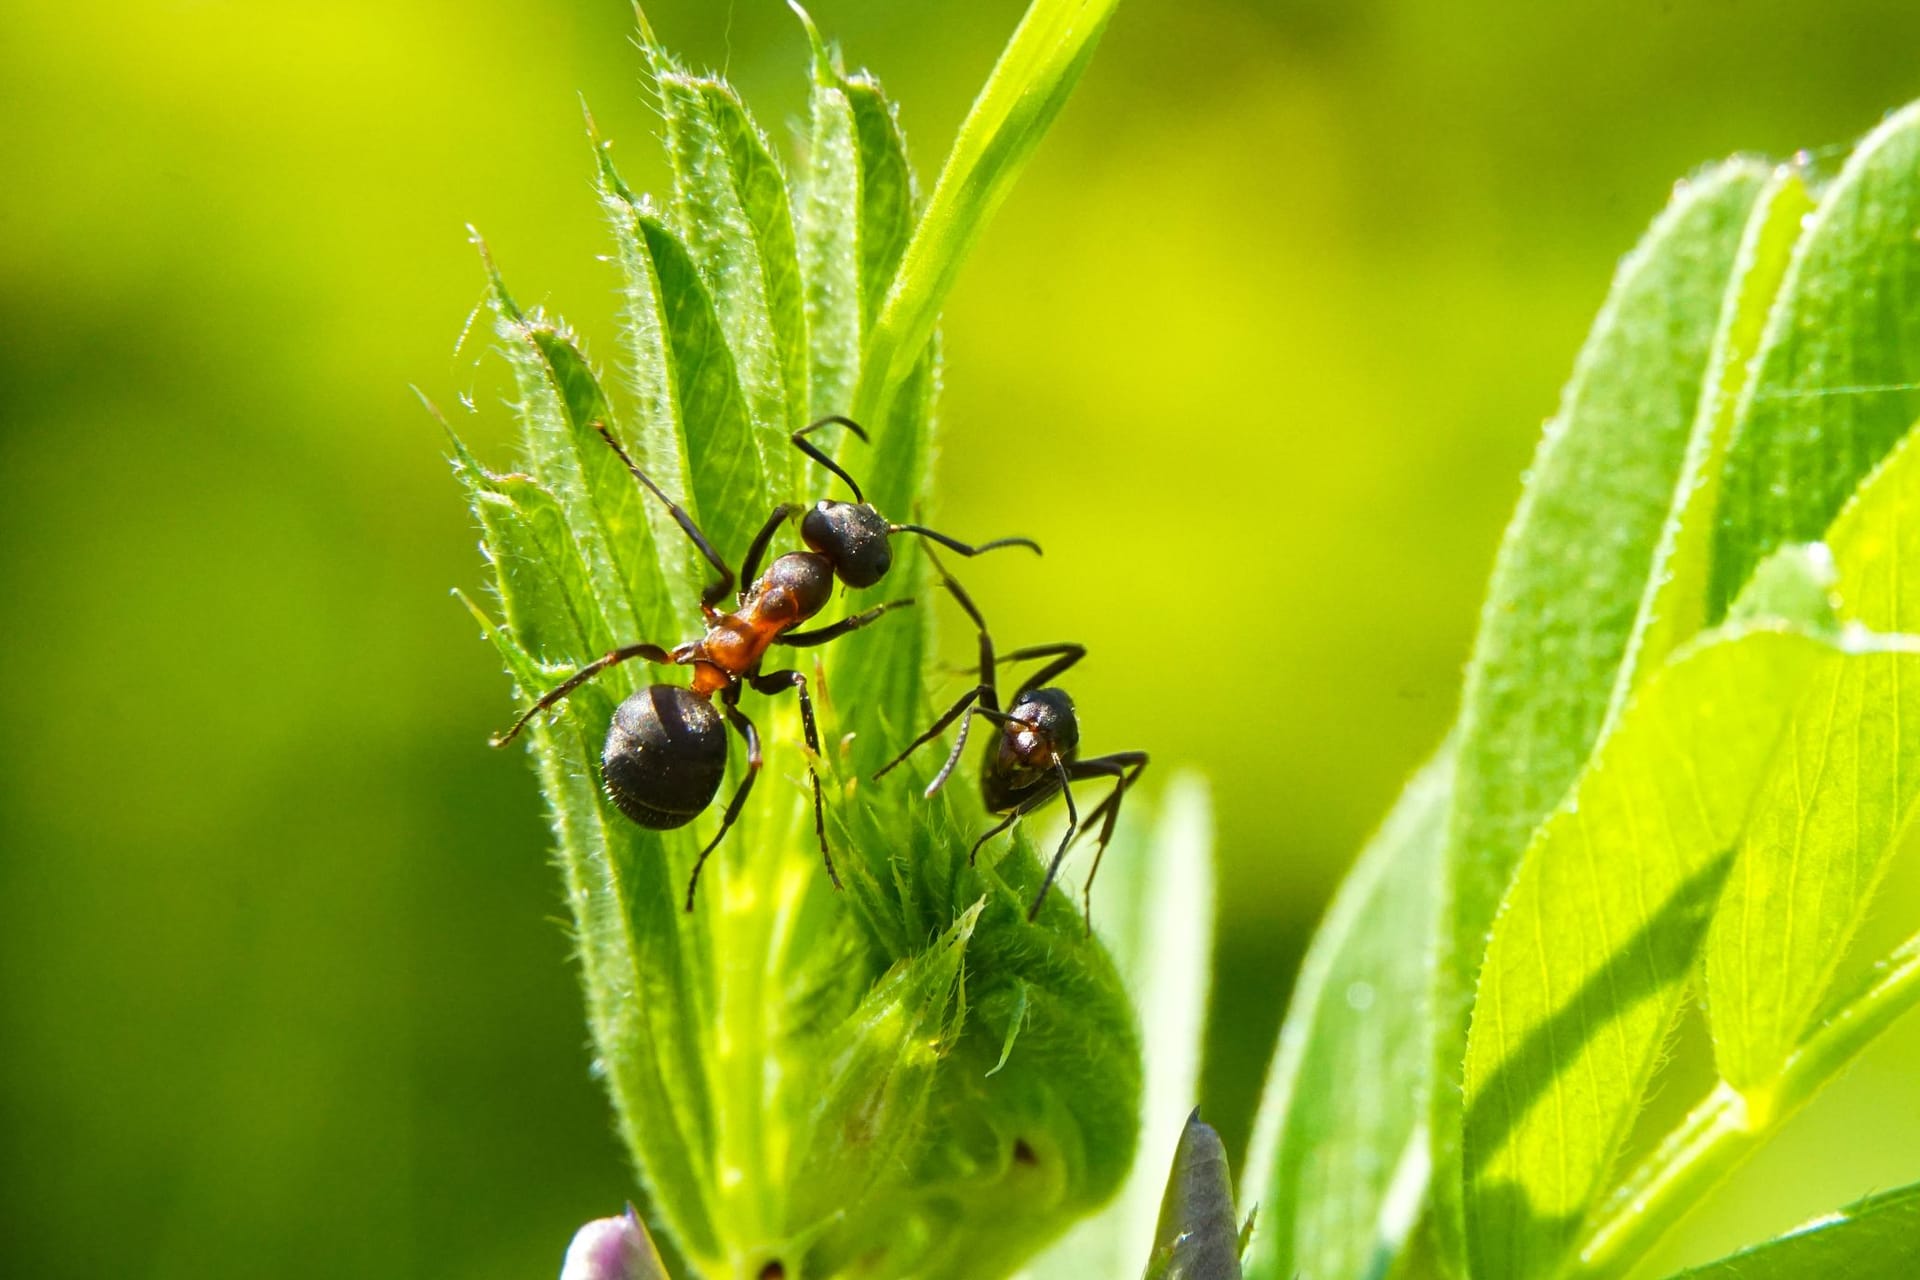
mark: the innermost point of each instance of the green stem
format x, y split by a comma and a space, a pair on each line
1730, 1123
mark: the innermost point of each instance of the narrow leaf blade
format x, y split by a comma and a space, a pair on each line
1029, 85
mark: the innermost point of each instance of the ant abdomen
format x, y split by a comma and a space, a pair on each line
665, 756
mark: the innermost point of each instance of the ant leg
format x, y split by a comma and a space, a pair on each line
954, 544
729, 706
801, 443
1060, 854
651, 652
750, 566
989, 690
720, 587
974, 853
774, 682
820, 635
1125, 767
1064, 655
939, 726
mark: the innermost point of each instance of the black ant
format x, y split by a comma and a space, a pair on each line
1036, 753
666, 750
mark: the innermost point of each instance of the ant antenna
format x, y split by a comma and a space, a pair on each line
801, 443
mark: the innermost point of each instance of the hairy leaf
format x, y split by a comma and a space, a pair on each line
1674, 606
1604, 922
1837, 377
1571, 572
1830, 816
907, 1078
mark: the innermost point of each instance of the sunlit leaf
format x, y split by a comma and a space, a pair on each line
1029, 85
1830, 815
1339, 1161
1586, 965
1674, 606
907, 1078
1876, 1237
1572, 570
1837, 378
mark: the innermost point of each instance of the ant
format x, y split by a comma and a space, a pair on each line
666, 749
1036, 753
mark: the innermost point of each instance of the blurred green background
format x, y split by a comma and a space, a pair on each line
1270, 327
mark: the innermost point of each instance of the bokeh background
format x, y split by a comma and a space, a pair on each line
1258, 349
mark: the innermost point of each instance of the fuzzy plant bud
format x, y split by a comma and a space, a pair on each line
616, 1248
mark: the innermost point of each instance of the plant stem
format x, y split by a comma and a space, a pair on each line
1730, 1123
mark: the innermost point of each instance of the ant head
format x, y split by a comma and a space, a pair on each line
794, 587
853, 536
1047, 717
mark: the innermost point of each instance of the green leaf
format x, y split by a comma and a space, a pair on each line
907, 1078
730, 493
1029, 85
1829, 817
1837, 378
1572, 570
1873, 1237
1674, 606
1338, 1162
543, 582
1197, 1236
1153, 908
876, 1078
1589, 955
732, 212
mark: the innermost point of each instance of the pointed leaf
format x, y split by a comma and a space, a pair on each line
542, 582
1572, 569
730, 494
1347, 1093
1674, 606
1198, 1236
732, 212
870, 1103
829, 237
1837, 379
1029, 85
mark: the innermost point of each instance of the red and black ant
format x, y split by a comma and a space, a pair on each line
1036, 753
666, 750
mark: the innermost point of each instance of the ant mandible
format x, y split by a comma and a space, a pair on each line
1036, 753
666, 749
